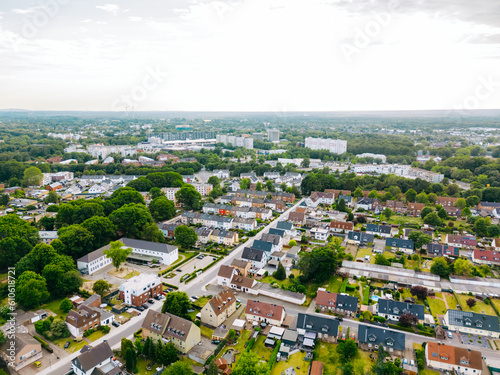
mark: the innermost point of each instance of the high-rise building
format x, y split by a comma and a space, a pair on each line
273, 135
335, 146
258, 136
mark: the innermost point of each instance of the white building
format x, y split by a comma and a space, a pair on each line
245, 142
335, 146
374, 156
47, 236
221, 173
146, 251
138, 288
100, 150
170, 193
273, 135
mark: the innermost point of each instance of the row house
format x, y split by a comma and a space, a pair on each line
257, 311
452, 359
245, 224
341, 226
203, 189
414, 209
297, 218
338, 192
446, 201
168, 157
316, 198
287, 197
397, 207
393, 310
369, 204
461, 241
275, 204
226, 210
168, 230
336, 303
472, 323
488, 205
381, 230
400, 244
371, 337
225, 237
489, 257
439, 250
247, 202
325, 328
203, 234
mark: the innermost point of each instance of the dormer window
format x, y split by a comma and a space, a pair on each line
464, 362
467, 322
372, 337
324, 328
444, 358
309, 325
395, 310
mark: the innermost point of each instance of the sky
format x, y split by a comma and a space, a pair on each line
249, 55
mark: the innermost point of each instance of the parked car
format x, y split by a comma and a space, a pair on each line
178, 270
145, 306
115, 324
195, 297
151, 301
450, 335
201, 256
157, 297
216, 342
67, 344
339, 318
140, 308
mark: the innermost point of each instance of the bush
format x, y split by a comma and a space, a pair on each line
274, 356
106, 329
380, 319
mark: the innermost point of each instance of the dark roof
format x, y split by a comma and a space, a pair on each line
346, 302
284, 225
277, 231
252, 254
399, 242
387, 306
318, 323
96, 254
93, 356
381, 336
273, 238
378, 228
262, 245
361, 236
472, 319
147, 245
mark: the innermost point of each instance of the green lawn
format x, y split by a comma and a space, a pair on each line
451, 300
481, 307
363, 252
437, 307
399, 219
270, 280
142, 364
202, 301
496, 302
96, 335
132, 274
296, 360
407, 294
262, 352
239, 346
327, 353
73, 346
207, 332
428, 372
54, 307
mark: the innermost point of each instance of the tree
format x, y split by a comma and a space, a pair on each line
382, 260
212, 369
471, 302
347, 350
250, 364
425, 211
12, 249
214, 181
258, 186
151, 232
419, 238
126, 195
86, 211
280, 273
177, 303
33, 176
407, 320
358, 193
12, 225
52, 197
77, 240
432, 219
162, 208
125, 345
156, 192
440, 267
292, 243
189, 198
472, 201
141, 184
270, 186
318, 265
185, 236
463, 267
481, 226
130, 219
47, 222
432, 198
61, 277
460, 203
420, 292
101, 287
348, 369
179, 368
387, 213
31, 290
131, 359
493, 231
168, 354
41, 255
410, 195
422, 198
101, 228
466, 212
341, 205
442, 213
117, 253
65, 305
244, 183
305, 163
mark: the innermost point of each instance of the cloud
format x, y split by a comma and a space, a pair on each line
27, 10
135, 19
111, 8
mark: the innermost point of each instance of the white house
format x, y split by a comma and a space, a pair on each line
146, 251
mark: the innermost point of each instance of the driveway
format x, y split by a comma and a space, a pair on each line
189, 267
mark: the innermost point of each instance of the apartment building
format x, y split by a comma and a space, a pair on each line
139, 289
219, 308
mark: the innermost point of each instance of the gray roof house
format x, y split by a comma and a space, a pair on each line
371, 337
394, 309
326, 328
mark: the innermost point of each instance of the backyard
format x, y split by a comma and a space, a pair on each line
54, 307
480, 307
296, 361
437, 306
327, 353
362, 252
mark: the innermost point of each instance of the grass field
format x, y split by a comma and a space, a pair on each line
496, 302
96, 335
327, 353
73, 346
262, 352
451, 300
132, 274
207, 332
297, 361
437, 307
428, 372
202, 301
239, 346
399, 219
407, 294
54, 307
481, 307
363, 252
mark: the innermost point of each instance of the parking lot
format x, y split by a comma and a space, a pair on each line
473, 340
189, 267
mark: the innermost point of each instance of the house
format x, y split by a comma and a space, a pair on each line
245, 224
446, 201
461, 241
287, 227
336, 303
54, 186
290, 337
242, 266
96, 360
452, 359
369, 204
225, 275
275, 239
320, 233
139, 289
242, 283
361, 238
85, 318
219, 308
488, 205
453, 211
472, 323
167, 327
225, 237
400, 244
496, 243
47, 236
381, 230
341, 226
393, 310
93, 261
490, 257
324, 327
268, 247
20, 351
414, 209
221, 173
168, 230
257, 311
349, 201
145, 252
297, 218
397, 207
316, 198
438, 250
370, 337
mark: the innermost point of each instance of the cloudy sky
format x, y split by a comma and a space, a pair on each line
249, 55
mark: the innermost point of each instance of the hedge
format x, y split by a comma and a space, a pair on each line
42, 342
344, 286
401, 328
380, 319
195, 273
170, 285
249, 344
274, 356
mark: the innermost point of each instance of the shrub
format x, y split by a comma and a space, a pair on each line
106, 329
